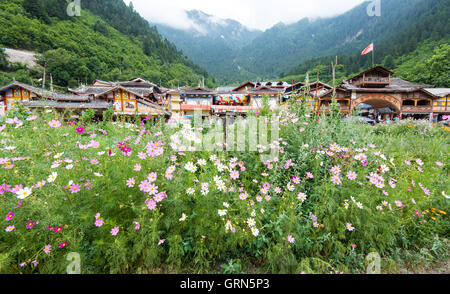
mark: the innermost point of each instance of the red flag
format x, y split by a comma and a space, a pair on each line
368, 49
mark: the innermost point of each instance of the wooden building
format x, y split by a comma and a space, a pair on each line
196, 99
34, 97
136, 96
377, 87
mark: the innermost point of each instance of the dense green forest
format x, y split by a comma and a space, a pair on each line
419, 54
108, 41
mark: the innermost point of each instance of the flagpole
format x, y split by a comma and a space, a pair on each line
373, 55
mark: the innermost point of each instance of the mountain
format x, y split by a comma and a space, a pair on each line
109, 41
418, 53
280, 50
213, 43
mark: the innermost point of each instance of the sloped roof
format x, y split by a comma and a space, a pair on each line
47, 94
376, 68
73, 105
439, 92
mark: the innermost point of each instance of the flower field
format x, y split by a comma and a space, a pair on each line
130, 198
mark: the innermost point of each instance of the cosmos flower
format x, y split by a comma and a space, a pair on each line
131, 182
54, 124
352, 175
183, 217
115, 231
47, 249
23, 193
80, 130
9, 216
350, 227
98, 223
291, 239
75, 188
63, 244
10, 228
30, 225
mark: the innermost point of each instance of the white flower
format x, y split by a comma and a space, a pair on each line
445, 195
52, 177
23, 193
98, 175
183, 217
253, 214
251, 222
70, 166
255, 231
201, 162
359, 204
226, 204
222, 212
58, 155
190, 191
190, 167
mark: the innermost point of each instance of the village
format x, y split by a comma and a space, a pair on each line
374, 93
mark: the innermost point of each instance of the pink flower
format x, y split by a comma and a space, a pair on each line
350, 227
10, 228
75, 188
130, 183
47, 249
336, 180
98, 223
161, 242
137, 167
137, 226
438, 163
115, 231
63, 244
234, 175
54, 124
151, 204
352, 175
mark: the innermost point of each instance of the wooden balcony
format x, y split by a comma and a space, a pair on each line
417, 108
372, 82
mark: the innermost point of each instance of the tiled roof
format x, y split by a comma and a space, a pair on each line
68, 105
47, 94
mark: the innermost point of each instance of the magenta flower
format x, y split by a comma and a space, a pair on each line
80, 130
63, 244
9, 216
30, 225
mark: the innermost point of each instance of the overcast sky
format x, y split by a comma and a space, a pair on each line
257, 14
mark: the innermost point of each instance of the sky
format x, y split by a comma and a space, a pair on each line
255, 14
